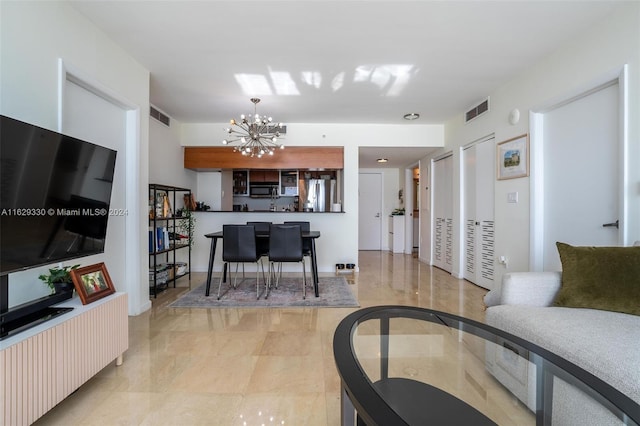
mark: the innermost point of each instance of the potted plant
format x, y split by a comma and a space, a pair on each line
59, 279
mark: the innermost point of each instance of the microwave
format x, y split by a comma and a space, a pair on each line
263, 191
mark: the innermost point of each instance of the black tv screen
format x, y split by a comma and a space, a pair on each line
55, 192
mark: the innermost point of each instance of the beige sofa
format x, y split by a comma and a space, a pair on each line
604, 343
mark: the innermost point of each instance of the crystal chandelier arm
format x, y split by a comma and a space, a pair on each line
262, 128
241, 125
233, 140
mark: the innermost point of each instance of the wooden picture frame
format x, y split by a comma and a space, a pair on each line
513, 158
92, 282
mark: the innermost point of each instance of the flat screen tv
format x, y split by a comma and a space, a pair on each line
55, 192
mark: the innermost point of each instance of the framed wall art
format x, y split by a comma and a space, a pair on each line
92, 282
513, 158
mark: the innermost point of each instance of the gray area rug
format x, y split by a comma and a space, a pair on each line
334, 292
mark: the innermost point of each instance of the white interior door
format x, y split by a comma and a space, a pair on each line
370, 211
478, 215
443, 213
425, 201
581, 158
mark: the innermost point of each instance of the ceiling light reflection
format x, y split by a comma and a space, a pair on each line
283, 83
337, 82
312, 78
390, 79
254, 84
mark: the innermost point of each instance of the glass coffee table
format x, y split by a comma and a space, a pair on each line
403, 365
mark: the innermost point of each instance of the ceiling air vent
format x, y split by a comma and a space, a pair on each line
477, 111
164, 119
273, 128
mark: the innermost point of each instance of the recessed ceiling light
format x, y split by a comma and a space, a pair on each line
412, 116
382, 160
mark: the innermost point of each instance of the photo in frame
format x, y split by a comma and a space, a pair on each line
92, 282
513, 158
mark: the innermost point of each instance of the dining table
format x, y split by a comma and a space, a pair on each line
306, 235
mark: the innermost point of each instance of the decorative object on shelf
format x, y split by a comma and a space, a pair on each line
513, 158
189, 201
166, 206
160, 206
92, 282
59, 279
257, 135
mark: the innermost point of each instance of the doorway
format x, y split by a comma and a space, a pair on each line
370, 211
92, 112
442, 244
578, 175
478, 165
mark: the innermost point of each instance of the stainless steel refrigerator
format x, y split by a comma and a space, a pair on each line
321, 193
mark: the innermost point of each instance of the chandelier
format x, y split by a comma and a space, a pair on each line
256, 135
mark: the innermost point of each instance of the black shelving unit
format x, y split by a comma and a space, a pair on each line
164, 216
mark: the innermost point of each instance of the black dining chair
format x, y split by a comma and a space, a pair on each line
262, 244
285, 245
239, 246
305, 226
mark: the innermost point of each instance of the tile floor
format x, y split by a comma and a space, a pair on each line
249, 366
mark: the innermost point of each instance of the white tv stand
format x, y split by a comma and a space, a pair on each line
43, 365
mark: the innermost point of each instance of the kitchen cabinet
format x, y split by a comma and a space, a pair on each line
240, 182
289, 183
264, 176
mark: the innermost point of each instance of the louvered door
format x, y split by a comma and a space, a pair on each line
443, 213
479, 227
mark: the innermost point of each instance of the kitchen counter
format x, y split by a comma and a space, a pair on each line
333, 227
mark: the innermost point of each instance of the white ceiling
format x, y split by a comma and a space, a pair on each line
349, 61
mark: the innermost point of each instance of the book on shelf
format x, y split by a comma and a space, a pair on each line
163, 239
159, 238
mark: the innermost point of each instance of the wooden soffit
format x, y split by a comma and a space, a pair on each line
293, 157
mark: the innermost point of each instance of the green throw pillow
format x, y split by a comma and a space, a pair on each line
606, 278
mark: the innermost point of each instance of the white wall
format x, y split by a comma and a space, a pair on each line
208, 185
602, 49
166, 165
166, 155
34, 35
339, 241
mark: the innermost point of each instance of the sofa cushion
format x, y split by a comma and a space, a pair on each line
602, 343
605, 278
